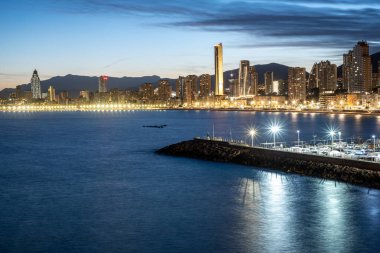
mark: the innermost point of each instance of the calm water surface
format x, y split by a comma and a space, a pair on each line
91, 182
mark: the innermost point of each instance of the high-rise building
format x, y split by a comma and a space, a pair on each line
51, 93
180, 89
191, 89
323, 76
103, 84
204, 85
348, 72
164, 90
253, 78
36, 86
19, 92
85, 95
218, 59
146, 91
243, 78
357, 69
297, 84
268, 78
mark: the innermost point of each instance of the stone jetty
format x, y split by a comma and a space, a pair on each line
356, 172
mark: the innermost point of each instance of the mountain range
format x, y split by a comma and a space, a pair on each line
75, 83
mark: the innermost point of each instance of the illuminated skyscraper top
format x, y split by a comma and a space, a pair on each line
35, 86
218, 57
103, 84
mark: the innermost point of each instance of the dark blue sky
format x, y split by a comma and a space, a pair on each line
171, 38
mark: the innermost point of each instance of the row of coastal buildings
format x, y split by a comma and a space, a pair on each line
356, 85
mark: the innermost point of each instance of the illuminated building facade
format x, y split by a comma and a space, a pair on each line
323, 76
243, 78
36, 86
103, 84
191, 89
253, 78
164, 90
180, 89
218, 59
146, 91
51, 94
297, 84
357, 69
204, 85
268, 78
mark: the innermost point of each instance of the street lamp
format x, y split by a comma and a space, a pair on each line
374, 142
298, 137
274, 129
314, 136
252, 133
332, 134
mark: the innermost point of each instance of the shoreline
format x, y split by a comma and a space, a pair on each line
124, 108
362, 173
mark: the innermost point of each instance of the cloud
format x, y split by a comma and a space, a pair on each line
320, 23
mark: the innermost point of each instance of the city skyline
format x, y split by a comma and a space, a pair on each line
123, 38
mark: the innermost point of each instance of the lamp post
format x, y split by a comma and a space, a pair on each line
332, 133
252, 132
274, 130
374, 142
314, 136
298, 137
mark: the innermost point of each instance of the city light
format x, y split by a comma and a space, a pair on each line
252, 133
274, 130
332, 134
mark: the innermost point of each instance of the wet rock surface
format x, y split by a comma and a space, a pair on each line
350, 171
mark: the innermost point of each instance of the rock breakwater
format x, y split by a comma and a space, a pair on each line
345, 170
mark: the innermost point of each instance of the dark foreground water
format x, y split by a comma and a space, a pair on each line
91, 182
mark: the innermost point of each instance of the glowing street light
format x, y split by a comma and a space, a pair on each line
252, 133
274, 130
374, 142
332, 134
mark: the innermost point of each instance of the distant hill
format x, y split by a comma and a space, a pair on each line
375, 58
279, 72
75, 83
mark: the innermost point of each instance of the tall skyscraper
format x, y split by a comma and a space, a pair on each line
323, 76
103, 84
268, 78
218, 59
19, 92
180, 89
243, 78
146, 91
357, 69
253, 78
36, 86
297, 84
164, 90
204, 85
191, 89
51, 93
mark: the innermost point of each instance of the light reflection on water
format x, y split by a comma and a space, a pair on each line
91, 182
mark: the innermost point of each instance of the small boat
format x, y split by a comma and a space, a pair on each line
156, 126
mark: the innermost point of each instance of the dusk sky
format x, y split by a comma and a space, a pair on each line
172, 38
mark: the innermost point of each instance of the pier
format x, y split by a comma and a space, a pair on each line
353, 171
